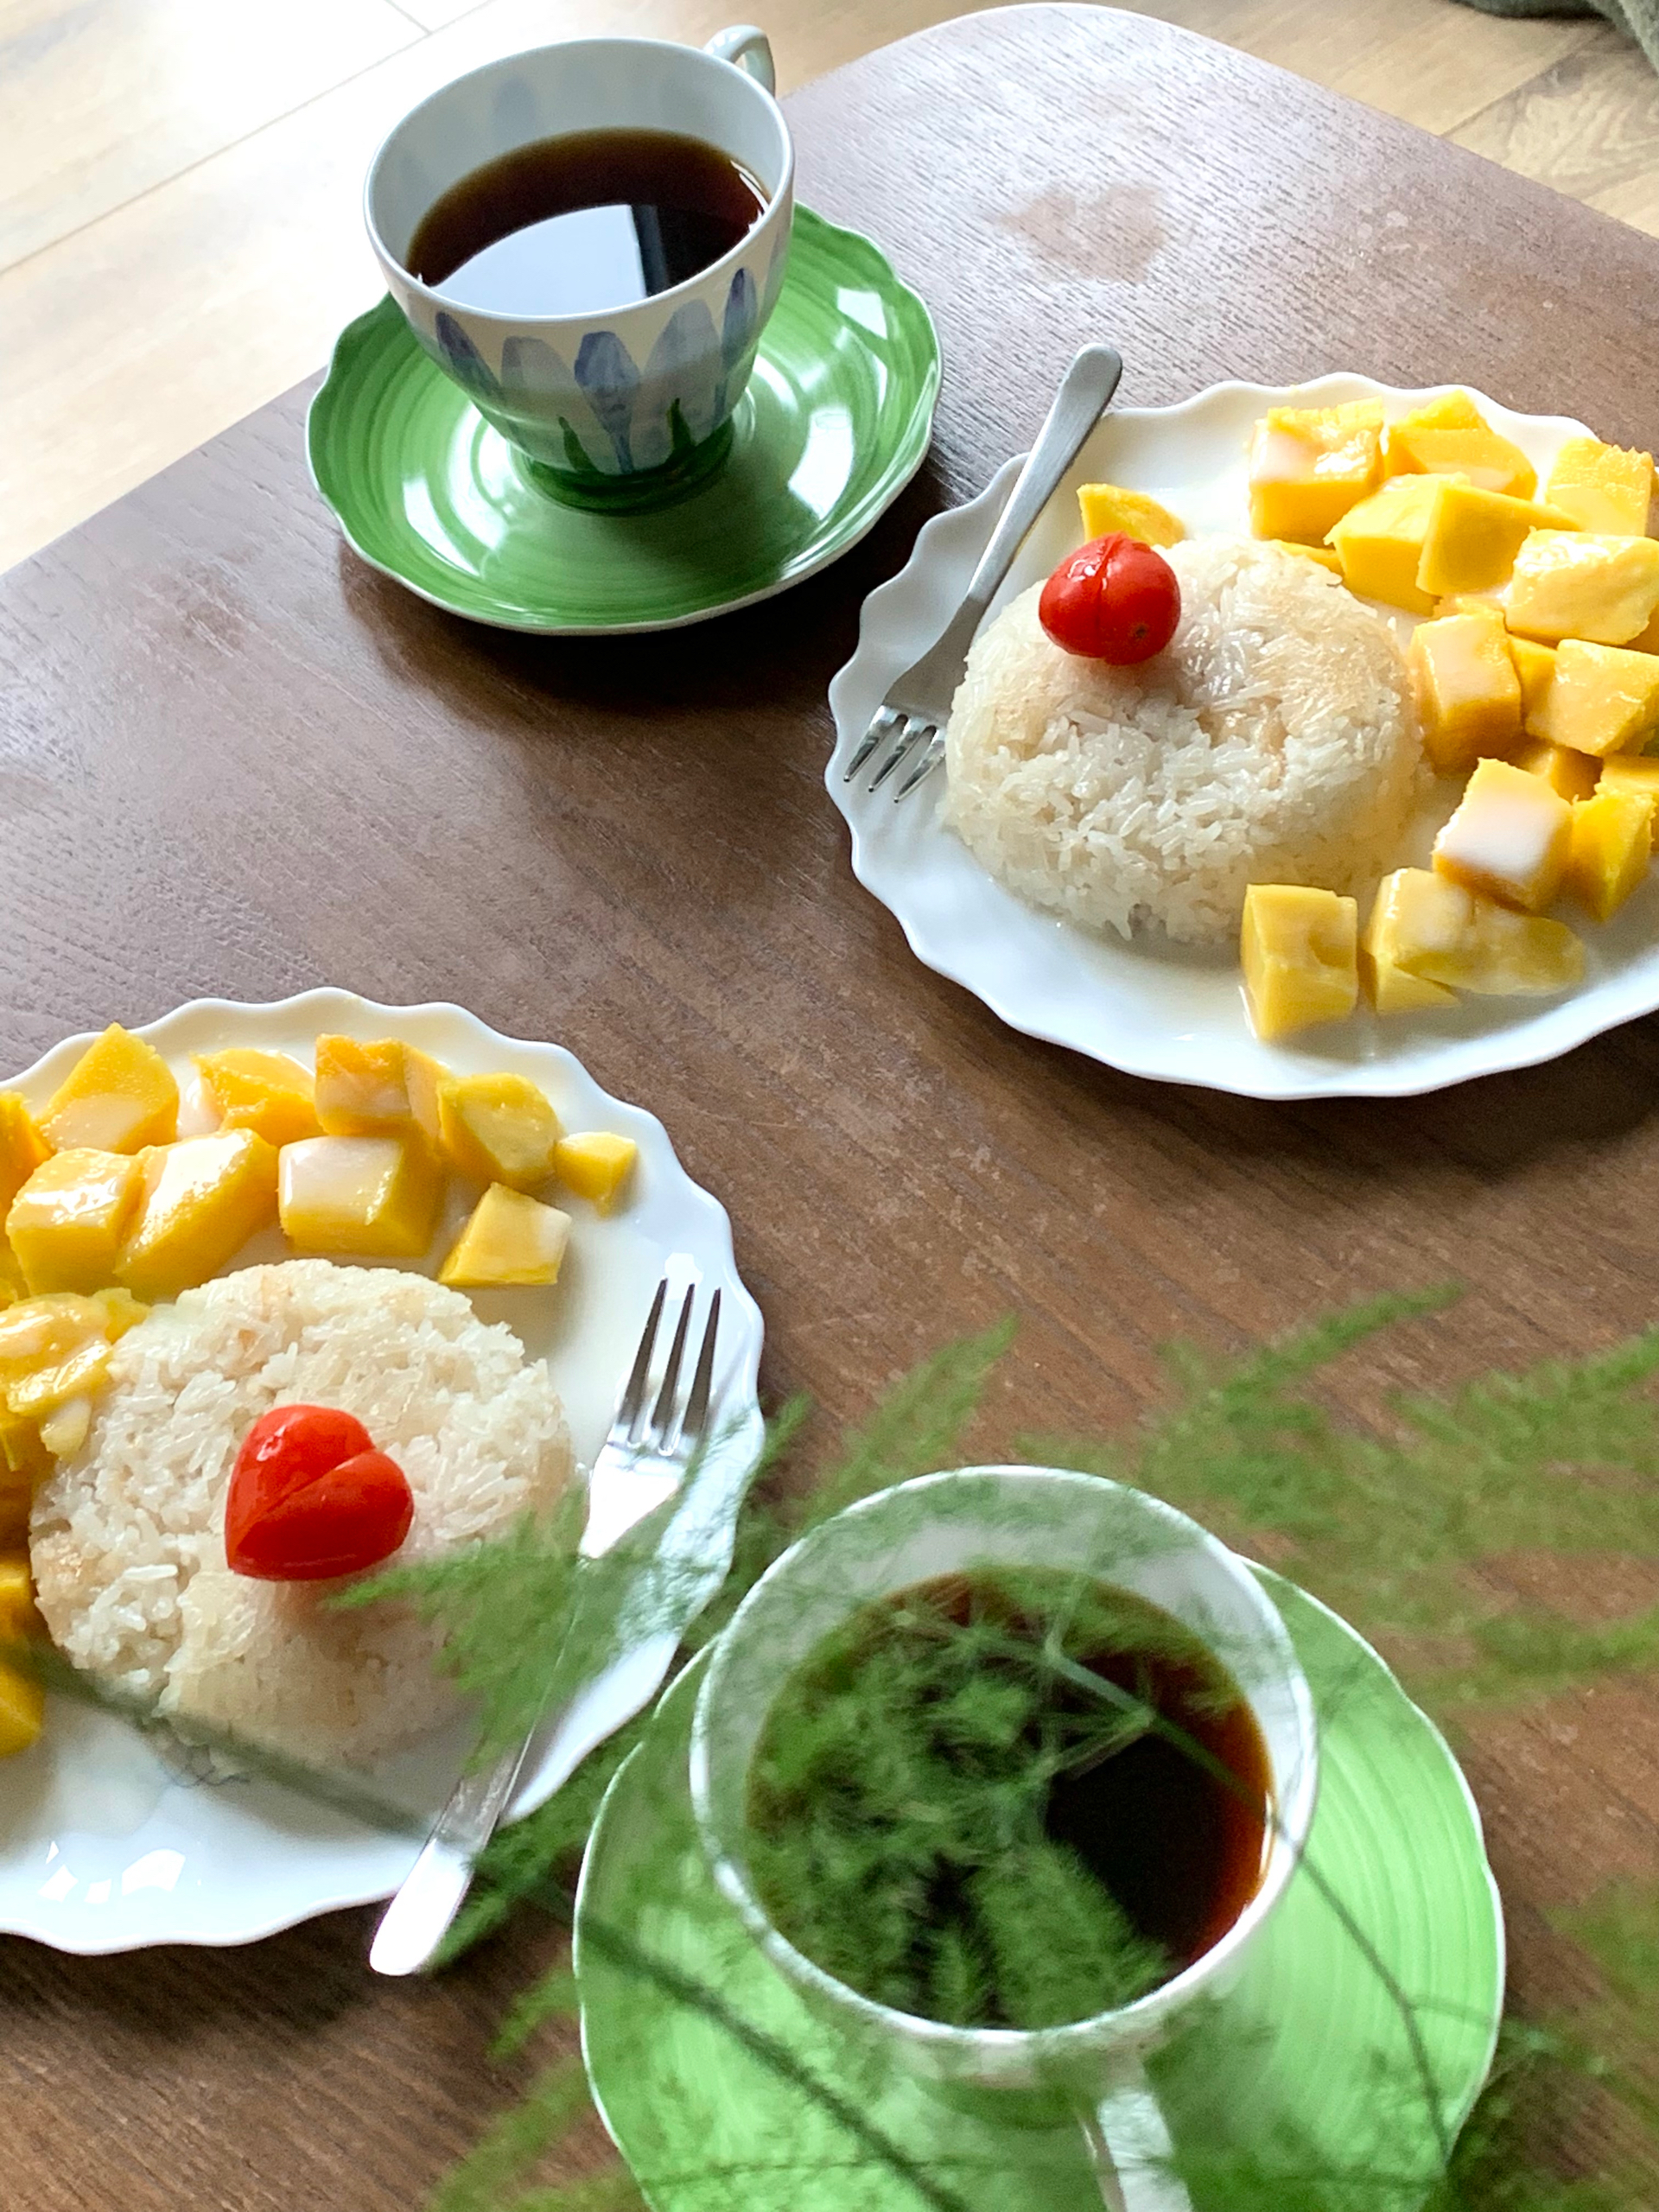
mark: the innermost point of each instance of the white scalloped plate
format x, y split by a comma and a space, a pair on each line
105, 1846
1176, 1016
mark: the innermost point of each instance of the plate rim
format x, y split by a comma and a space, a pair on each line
229, 1932
912, 450
1274, 1581
1586, 1014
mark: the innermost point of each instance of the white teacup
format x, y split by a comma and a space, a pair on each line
1033, 1517
630, 406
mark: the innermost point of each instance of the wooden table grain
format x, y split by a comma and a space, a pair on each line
234, 761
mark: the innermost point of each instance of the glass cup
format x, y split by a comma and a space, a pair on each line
628, 407
991, 1517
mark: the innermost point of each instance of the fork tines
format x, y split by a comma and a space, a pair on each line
669, 1427
907, 733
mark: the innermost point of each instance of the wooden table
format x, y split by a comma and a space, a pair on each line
237, 762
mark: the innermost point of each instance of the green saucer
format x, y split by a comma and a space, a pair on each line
833, 426
1304, 2069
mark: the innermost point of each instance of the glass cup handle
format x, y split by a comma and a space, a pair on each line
1131, 2150
748, 49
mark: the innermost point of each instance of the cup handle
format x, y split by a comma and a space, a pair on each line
748, 49
1130, 2147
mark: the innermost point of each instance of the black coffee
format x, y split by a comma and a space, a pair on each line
915, 1768
590, 220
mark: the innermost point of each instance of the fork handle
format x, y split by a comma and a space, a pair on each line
1084, 394
418, 1917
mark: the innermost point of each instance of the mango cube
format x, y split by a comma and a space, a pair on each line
1391, 988
386, 1089
510, 1238
266, 1092
1603, 699
202, 1199
1571, 774
595, 1165
1629, 772
1468, 693
1299, 950
1449, 410
67, 1223
499, 1127
1107, 507
52, 1348
1321, 556
1309, 465
21, 1146
18, 1618
1612, 842
1508, 839
1573, 584
1602, 488
1488, 460
1473, 535
1380, 542
119, 1096
1535, 666
1446, 935
22, 1711
359, 1194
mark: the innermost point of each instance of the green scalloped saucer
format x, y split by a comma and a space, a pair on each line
1304, 2068
833, 426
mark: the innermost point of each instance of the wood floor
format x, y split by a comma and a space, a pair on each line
179, 179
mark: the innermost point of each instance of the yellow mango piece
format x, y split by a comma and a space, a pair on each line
1535, 666
1629, 772
21, 1146
386, 1089
1571, 774
202, 1199
1488, 460
1508, 839
509, 1238
1601, 699
1452, 410
1107, 507
1450, 935
26, 1460
1572, 584
1309, 465
1468, 693
119, 1096
67, 1223
1612, 842
18, 1618
1299, 948
65, 1429
596, 1164
375, 1195
1379, 542
1320, 555
1391, 988
35, 1396
1473, 535
1646, 641
1602, 488
267, 1092
22, 1711
499, 1127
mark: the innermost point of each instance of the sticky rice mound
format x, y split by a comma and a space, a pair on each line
1273, 740
127, 1536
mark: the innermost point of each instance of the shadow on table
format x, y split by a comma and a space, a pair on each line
777, 654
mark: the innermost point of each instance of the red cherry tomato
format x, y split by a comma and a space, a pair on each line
1113, 599
310, 1498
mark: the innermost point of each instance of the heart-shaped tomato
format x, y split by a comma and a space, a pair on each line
310, 1498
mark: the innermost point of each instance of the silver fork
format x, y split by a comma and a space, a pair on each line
653, 1442
910, 720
